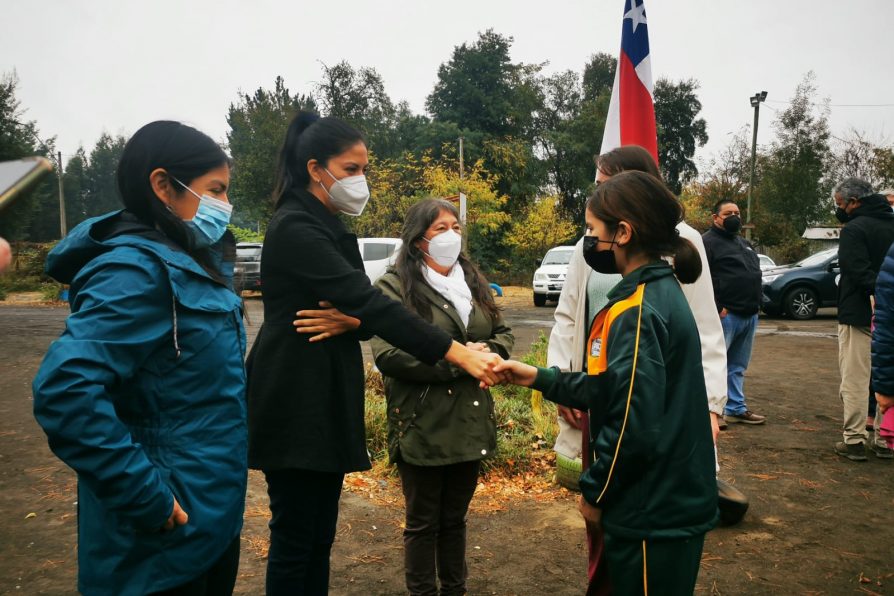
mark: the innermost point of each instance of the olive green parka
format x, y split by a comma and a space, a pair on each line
438, 415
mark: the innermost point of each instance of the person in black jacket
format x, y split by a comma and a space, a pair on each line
867, 234
736, 276
306, 397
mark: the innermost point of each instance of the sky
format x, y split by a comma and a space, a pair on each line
94, 66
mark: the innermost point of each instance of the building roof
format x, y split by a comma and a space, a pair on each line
822, 233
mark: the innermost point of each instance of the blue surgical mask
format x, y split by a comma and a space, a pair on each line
210, 221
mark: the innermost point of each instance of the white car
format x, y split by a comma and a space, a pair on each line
550, 275
378, 254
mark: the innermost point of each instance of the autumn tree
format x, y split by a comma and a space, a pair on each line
258, 124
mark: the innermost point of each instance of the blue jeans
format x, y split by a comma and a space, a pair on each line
738, 331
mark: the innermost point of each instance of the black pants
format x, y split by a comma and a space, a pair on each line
304, 505
667, 568
437, 499
219, 580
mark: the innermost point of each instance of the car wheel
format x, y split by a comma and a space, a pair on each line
801, 303
539, 299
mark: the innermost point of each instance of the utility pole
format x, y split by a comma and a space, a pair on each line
756, 104
63, 224
462, 196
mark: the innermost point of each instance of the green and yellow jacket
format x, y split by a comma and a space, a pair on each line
653, 473
438, 415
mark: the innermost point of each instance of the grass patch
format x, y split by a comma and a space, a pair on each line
526, 423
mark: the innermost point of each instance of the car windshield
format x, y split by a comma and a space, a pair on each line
818, 258
557, 257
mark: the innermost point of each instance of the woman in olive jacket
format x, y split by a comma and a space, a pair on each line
440, 422
305, 397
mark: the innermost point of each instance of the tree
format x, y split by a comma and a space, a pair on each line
599, 76
543, 226
856, 156
794, 190
359, 97
479, 89
571, 128
679, 130
101, 173
258, 124
18, 139
76, 188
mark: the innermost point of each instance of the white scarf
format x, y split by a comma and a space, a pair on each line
452, 286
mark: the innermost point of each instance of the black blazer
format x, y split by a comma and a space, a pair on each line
862, 247
306, 400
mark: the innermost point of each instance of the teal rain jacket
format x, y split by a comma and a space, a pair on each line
143, 396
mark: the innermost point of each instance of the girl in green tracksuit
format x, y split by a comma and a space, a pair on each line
652, 485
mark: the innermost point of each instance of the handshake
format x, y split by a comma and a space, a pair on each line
489, 368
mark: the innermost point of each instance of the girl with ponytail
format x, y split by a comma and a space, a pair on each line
651, 485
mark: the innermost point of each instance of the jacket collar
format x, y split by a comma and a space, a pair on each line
723, 233
97, 235
644, 274
302, 199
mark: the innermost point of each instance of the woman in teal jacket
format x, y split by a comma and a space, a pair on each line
143, 395
652, 485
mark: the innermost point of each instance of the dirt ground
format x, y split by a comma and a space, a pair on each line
818, 524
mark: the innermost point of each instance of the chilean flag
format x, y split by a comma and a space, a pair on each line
631, 114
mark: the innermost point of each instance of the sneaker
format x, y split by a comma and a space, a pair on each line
882, 452
852, 451
748, 417
721, 424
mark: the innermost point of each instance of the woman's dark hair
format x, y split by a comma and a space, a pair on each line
310, 137
410, 261
653, 212
628, 157
185, 154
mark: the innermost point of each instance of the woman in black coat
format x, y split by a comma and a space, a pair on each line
305, 397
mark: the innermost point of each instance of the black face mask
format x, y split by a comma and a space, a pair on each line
732, 224
841, 215
600, 261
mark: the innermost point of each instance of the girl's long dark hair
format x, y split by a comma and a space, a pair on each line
653, 212
410, 261
310, 137
184, 153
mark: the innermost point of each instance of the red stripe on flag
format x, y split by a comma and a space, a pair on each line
636, 110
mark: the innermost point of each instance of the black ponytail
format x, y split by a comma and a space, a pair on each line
687, 261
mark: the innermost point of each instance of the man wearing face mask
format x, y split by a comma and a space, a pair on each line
867, 234
736, 276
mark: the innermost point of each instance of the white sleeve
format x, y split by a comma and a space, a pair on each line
561, 338
700, 296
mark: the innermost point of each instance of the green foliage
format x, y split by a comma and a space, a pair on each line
245, 234
101, 173
258, 124
19, 138
679, 130
542, 226
794, 191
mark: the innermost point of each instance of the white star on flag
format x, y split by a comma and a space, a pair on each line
637, 15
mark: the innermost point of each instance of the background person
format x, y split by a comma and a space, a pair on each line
652, 485
883, 341
5, 255
440, 422
865, 239
736, 275
143, 395
306, 397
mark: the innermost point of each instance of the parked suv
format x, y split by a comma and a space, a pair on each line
549, 278
798, 290
378, 254
247, 269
